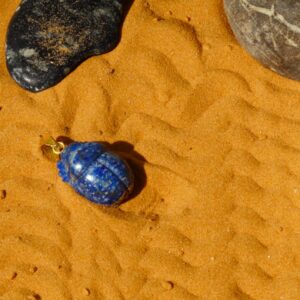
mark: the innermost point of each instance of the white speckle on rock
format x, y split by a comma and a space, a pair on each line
117, 4
67, 70
41, 65
270, 12
27, 52
70, 40
10, 54
37, 89
291, 42
27, 78
17, 71
100, 12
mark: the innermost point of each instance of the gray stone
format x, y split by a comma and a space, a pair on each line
47, 39
270, 31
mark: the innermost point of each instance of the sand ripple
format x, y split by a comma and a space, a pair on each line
218, 137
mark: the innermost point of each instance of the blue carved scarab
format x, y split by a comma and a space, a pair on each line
96, 173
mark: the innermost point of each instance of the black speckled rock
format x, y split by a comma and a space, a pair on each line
47, 39
270, 31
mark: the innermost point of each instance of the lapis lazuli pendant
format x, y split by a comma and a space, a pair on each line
99, 175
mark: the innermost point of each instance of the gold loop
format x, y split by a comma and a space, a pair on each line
56, 147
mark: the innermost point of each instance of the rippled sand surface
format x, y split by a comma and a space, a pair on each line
214, 141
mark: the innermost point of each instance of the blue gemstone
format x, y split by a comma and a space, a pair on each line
97, 174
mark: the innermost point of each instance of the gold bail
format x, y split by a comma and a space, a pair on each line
53, 148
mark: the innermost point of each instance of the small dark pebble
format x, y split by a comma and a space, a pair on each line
67, 130
168, 285
33, 269
153, 217
36, 297
3, 194
47, 39
86, 291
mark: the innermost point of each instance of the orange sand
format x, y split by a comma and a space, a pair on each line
214, 139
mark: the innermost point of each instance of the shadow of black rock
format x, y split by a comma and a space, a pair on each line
127, 5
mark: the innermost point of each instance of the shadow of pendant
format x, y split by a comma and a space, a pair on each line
47, 39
